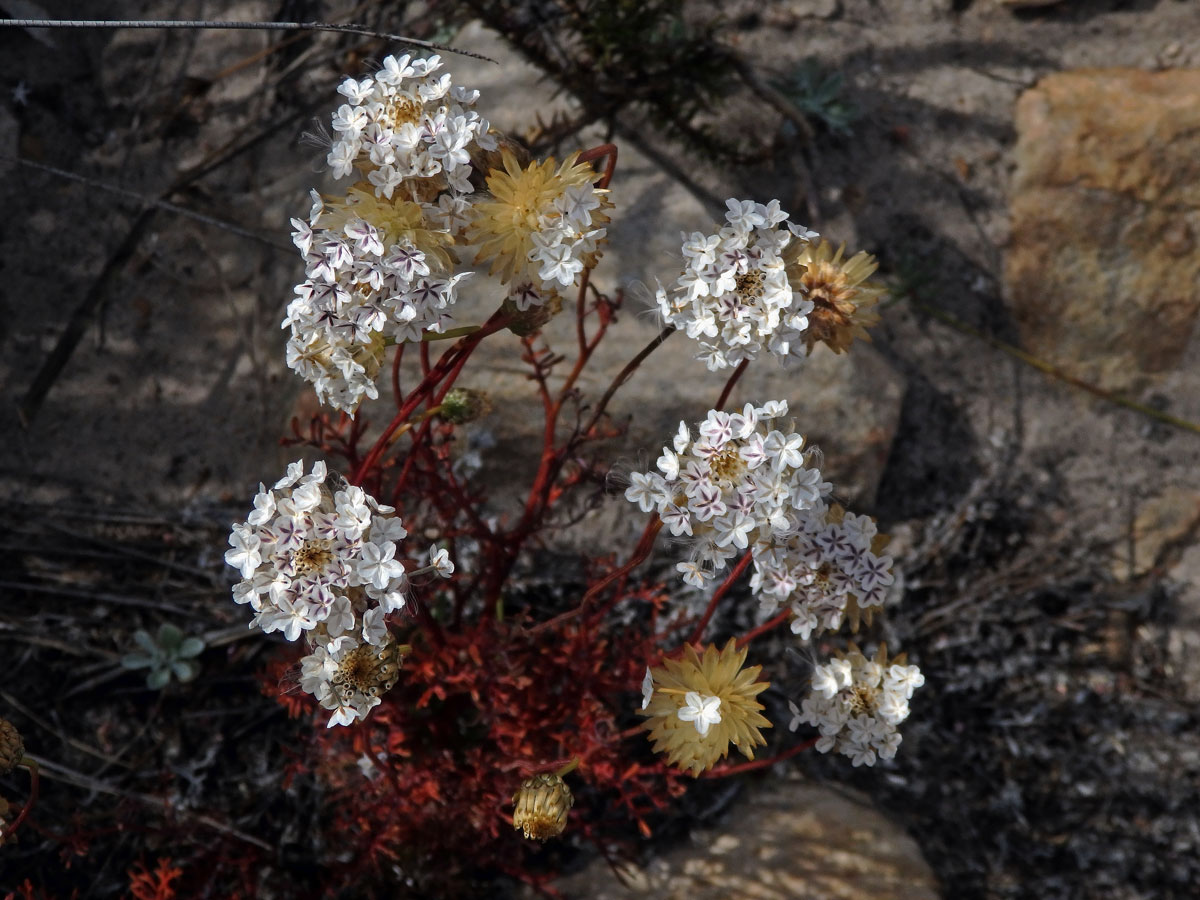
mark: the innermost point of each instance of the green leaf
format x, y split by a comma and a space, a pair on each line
184, 670
137, 661
192, 646
157, 680
143, 640
169, 637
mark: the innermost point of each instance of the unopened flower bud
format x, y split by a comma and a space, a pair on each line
463, 405
542, 804
12, 748
523, 323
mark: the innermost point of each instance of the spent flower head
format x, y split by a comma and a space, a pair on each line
540, 228
699, 705
542, 804
841, 297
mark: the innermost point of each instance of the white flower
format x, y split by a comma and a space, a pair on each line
288, 617
797, 716
816, 565
703, 710
374, 630
307, 553
857, 704
377, 565
738, 486
735, 292
244, 553
644, 490
647, 688
440, 561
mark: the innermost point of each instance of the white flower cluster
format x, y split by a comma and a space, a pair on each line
739, 483
378, 262
347, 674
312, 550
406, 122
817, 565
734, 295
318, 558
856, 704
373, 274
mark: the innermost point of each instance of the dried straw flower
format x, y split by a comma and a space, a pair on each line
542, 805
12, 748
693, 732
840, 294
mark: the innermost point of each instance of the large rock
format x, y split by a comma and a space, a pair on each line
794, 840
1102, 272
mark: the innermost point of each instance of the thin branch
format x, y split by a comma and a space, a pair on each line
720, 592
56, 772
156, 202
722, 771
1053, 371
236, 26
625, 374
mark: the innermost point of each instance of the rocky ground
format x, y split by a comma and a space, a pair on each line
1022, 423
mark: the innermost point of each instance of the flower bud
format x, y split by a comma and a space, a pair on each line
530, 321
12, 748
542, 804
463, 405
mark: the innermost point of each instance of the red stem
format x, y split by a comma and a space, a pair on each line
454, 358
644, 546
733, 379
8, 832
722, 771
766, 626
397, 397
609, 150
719, 593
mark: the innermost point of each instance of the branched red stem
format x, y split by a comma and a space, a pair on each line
720, 592
7, 833
640, 552
733, 379
722, 771
766, 626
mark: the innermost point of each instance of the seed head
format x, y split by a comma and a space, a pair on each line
12, 748
463, 405
542, 804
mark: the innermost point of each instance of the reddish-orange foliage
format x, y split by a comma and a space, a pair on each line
156, 885
494, 703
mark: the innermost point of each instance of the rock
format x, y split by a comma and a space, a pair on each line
793, 840
814, 9
1027, 4
1183, 633
9, 133
1101, 274
1161, 525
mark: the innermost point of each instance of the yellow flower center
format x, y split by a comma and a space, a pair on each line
862, 700
312, 556
400, 111
749, 285
727, 464
368, 670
